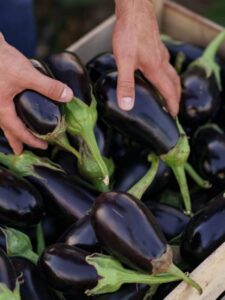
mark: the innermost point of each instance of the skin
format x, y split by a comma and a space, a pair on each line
136, 45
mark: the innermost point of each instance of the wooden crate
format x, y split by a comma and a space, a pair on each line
182, 24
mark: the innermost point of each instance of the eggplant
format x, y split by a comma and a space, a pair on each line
208, 153
73, 271
7, 273
82, 235
20, 203
201, 87
205, 232
128, 231
127, 292
81, 116
171, 220
100, 65
32, 284
149, 124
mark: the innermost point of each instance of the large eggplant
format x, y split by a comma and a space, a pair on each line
81, 115
82, 235
205, 232
32, 284
128, 230
100, 65
209, 153
20, 203
62, 192
149, 124
201, 87
73, 271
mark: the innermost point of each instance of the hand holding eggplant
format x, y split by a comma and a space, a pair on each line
137, 45
19, 75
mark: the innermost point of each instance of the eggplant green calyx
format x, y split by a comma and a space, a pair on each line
142, 185
81, 120
112, 275
7, 294
166, 38
207, 60
23, 164
176, 159
19, 244
40, 238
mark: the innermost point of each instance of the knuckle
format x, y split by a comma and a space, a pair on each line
54, 89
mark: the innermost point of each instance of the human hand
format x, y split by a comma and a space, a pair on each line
137, 45
18, 74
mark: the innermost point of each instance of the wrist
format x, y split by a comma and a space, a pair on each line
127, 8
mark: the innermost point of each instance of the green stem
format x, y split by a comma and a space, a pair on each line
180, 175
63, 142
196, 177
90, 140
142, 185
179, 62
30, 255
177, 272
210, 52
40, 239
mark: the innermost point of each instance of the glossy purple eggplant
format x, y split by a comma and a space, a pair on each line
100, 65
208, 153
82, 235
20, 203
66, 269
127, 292
67, 67
171, 220
205, 232
32, 284
147, 123
128, 230
62, 193
3, 244
7, 272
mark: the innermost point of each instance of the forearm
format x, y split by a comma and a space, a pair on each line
131, 7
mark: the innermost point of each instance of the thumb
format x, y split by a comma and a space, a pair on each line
125, 86
49, 87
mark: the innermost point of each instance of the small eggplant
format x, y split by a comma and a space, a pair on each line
128, 230
63, 192
32, 284
82, 235
171, 220
201, 83
100, 65
20, 203
149, 124
205, 232
208, 153
81, 115
73, 271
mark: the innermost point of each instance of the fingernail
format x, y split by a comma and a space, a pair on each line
127, 103
67, 94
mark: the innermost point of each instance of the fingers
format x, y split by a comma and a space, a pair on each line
48, 87
14, 143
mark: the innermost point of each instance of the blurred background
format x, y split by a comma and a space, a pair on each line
61, 22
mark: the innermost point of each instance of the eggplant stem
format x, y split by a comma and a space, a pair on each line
210, 52
179, 62
30, 255
177, 272
142, 185
40, 239
196, 177
63, 142
90, 140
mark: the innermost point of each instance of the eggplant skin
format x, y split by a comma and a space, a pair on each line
33, 285
40, 114
205, 232
66, 269
7, 272
62, 193
20, 203
68, 68
200, 100
82, 235
128, 230
148, 123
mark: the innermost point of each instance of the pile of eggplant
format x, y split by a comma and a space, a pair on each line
122, 205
